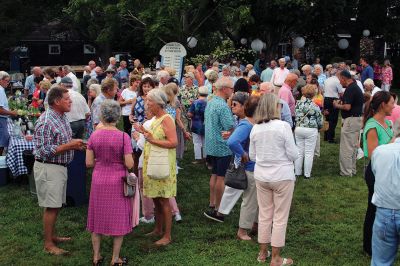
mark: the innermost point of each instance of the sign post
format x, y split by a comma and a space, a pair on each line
172, 55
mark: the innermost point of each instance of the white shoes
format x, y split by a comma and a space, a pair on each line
145, 221
178, 218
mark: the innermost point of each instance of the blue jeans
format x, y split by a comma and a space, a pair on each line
385, 237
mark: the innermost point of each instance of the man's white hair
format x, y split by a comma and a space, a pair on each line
369, 82
319, 66
162, 74
224, 82
4, 75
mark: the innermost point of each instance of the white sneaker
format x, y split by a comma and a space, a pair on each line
178, 218
145, 221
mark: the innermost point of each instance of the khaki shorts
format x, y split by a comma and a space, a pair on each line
51, 184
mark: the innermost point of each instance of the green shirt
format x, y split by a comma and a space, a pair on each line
217, 118
384, 134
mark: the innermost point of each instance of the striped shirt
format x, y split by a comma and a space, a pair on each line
52, 130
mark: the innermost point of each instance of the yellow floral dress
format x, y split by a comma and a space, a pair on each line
164, 188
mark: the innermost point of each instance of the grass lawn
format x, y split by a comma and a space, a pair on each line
325, 225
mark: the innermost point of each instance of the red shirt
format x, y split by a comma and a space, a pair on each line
36, 94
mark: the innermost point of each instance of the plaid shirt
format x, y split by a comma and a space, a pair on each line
51, 131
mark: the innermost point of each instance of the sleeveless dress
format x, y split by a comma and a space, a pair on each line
165, 188
139, 109
109, 212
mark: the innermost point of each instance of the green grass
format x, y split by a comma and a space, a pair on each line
325, 225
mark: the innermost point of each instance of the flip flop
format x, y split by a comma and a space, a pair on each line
262, 258
286, 262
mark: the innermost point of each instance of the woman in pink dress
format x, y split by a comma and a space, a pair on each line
387, 76
110, 212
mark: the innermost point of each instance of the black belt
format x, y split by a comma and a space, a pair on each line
61, 164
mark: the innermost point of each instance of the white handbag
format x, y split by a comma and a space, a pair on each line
158, 163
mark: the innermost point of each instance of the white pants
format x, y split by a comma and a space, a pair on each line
385, 87
305, 140
318, 146
198, 143
229, 199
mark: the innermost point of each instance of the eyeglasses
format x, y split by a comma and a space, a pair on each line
6, 80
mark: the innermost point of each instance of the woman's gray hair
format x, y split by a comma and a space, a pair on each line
91, 81
267, 109
4, 75
110, 111
159, 97
96, 88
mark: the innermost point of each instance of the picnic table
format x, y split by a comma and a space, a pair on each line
16, 147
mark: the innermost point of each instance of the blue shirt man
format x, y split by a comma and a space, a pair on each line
367, 71
30, 84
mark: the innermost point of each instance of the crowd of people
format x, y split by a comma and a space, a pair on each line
267, 118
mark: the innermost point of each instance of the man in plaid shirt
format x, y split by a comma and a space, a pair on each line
54, 149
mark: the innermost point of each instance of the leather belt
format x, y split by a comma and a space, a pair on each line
61, 164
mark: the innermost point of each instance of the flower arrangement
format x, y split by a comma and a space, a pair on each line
20, 104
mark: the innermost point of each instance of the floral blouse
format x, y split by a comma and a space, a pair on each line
188, 95
308, 114
387, 75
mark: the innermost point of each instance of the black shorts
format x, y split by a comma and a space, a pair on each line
219, 164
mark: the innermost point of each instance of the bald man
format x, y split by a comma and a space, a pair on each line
29, 82
285, 92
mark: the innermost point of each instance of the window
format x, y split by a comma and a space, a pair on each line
54, 49
89, 49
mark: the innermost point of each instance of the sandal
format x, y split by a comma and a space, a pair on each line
98, 262
263, 258
286, 261
124, 261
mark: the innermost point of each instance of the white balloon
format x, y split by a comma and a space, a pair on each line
343, 44
299, 42
243, 41
366, 33
191, 42
257, 45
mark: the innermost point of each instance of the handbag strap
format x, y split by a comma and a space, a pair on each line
301, 120
158, 122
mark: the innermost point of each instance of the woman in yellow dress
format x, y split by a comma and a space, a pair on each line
162, 134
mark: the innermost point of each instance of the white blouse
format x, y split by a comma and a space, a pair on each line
273, 149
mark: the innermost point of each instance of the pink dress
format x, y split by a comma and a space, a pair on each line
110, 212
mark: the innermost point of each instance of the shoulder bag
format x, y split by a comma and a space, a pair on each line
235, 177
158, 162
129, 179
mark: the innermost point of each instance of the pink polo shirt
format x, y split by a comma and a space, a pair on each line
285, 93
395, 114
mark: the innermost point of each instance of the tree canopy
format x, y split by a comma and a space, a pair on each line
142, 27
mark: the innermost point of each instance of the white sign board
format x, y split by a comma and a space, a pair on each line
172, 56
